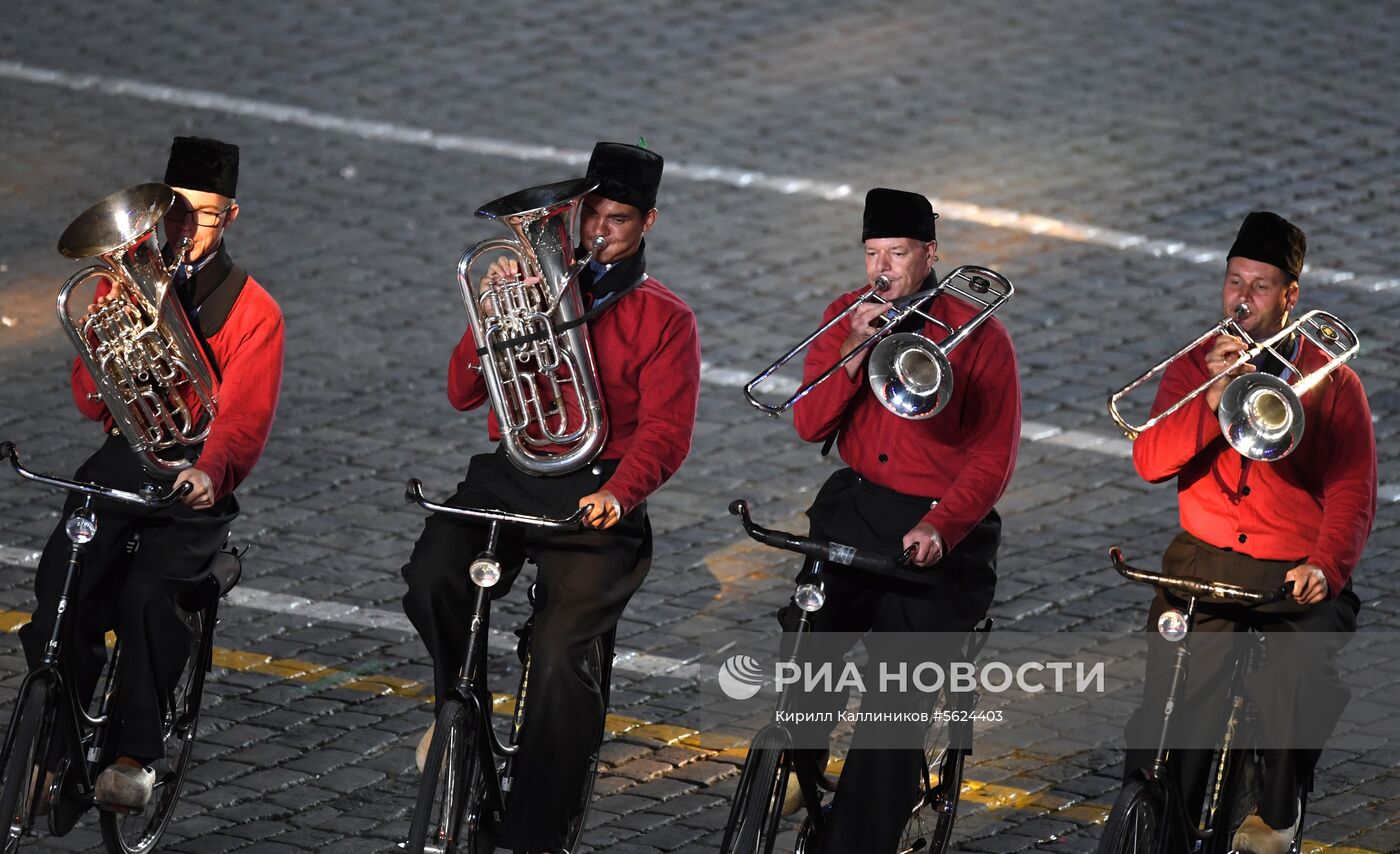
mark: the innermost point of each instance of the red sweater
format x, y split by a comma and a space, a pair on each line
647, 351
962, 456
248, 349
1314, 506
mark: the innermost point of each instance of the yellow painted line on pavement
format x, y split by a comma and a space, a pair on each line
717, 745
318, 676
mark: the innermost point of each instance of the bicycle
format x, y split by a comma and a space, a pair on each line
47, 703
466, 780
1150, 814
754, 816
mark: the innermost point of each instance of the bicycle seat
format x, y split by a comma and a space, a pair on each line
218, 577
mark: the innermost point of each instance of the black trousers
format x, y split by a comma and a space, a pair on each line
585, 581
878, 786
131, 594
1276, 689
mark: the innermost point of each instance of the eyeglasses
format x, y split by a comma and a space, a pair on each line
183, 214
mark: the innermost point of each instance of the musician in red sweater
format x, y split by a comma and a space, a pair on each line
1304, 518
647, 352
240, 327
929, 485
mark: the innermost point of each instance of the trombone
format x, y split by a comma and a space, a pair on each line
909, 373
1260, 415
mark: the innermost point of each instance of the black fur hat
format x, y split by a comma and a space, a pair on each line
203, 164
1265, 236
897, 213
626, 173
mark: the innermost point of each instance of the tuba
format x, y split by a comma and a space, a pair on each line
1260, 415
537, 359
139, 346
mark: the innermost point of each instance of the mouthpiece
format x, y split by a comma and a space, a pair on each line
599, 242
1241, 311
881, 284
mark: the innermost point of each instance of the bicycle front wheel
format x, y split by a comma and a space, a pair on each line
138, 833
446, 817
1134, 825
758, 802
21, 783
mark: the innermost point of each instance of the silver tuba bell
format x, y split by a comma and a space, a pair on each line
138, 345
538, 365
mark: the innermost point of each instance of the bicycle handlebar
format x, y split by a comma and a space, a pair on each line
887, 567
414, 495
151, 502
1195, 586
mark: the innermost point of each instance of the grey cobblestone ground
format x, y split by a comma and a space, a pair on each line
1168, 121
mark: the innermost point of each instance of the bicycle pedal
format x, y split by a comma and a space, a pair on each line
118, 809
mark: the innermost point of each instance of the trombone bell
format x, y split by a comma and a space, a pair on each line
911, 376
1261, 417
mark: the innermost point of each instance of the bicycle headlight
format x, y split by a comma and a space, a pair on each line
1172, 625
80, 527
485, 572
810, 596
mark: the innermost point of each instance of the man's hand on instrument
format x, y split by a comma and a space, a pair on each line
97, 303
501, 270
606, 510
928, 545
201, 495
1309, 584
1225, 350
863, 325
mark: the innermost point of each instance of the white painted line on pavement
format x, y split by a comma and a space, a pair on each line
499, 641
948, 209
11, 556
627, 660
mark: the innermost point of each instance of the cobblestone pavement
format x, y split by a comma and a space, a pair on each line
1097, 153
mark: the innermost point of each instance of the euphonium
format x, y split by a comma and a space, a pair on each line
537, 359
138, 345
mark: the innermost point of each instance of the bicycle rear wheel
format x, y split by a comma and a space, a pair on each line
1134, 825
138, 832
21, 784
758, 801
447, 816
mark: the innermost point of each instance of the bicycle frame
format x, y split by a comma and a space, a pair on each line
809, 596
84, 731
1175, 824
471, 686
